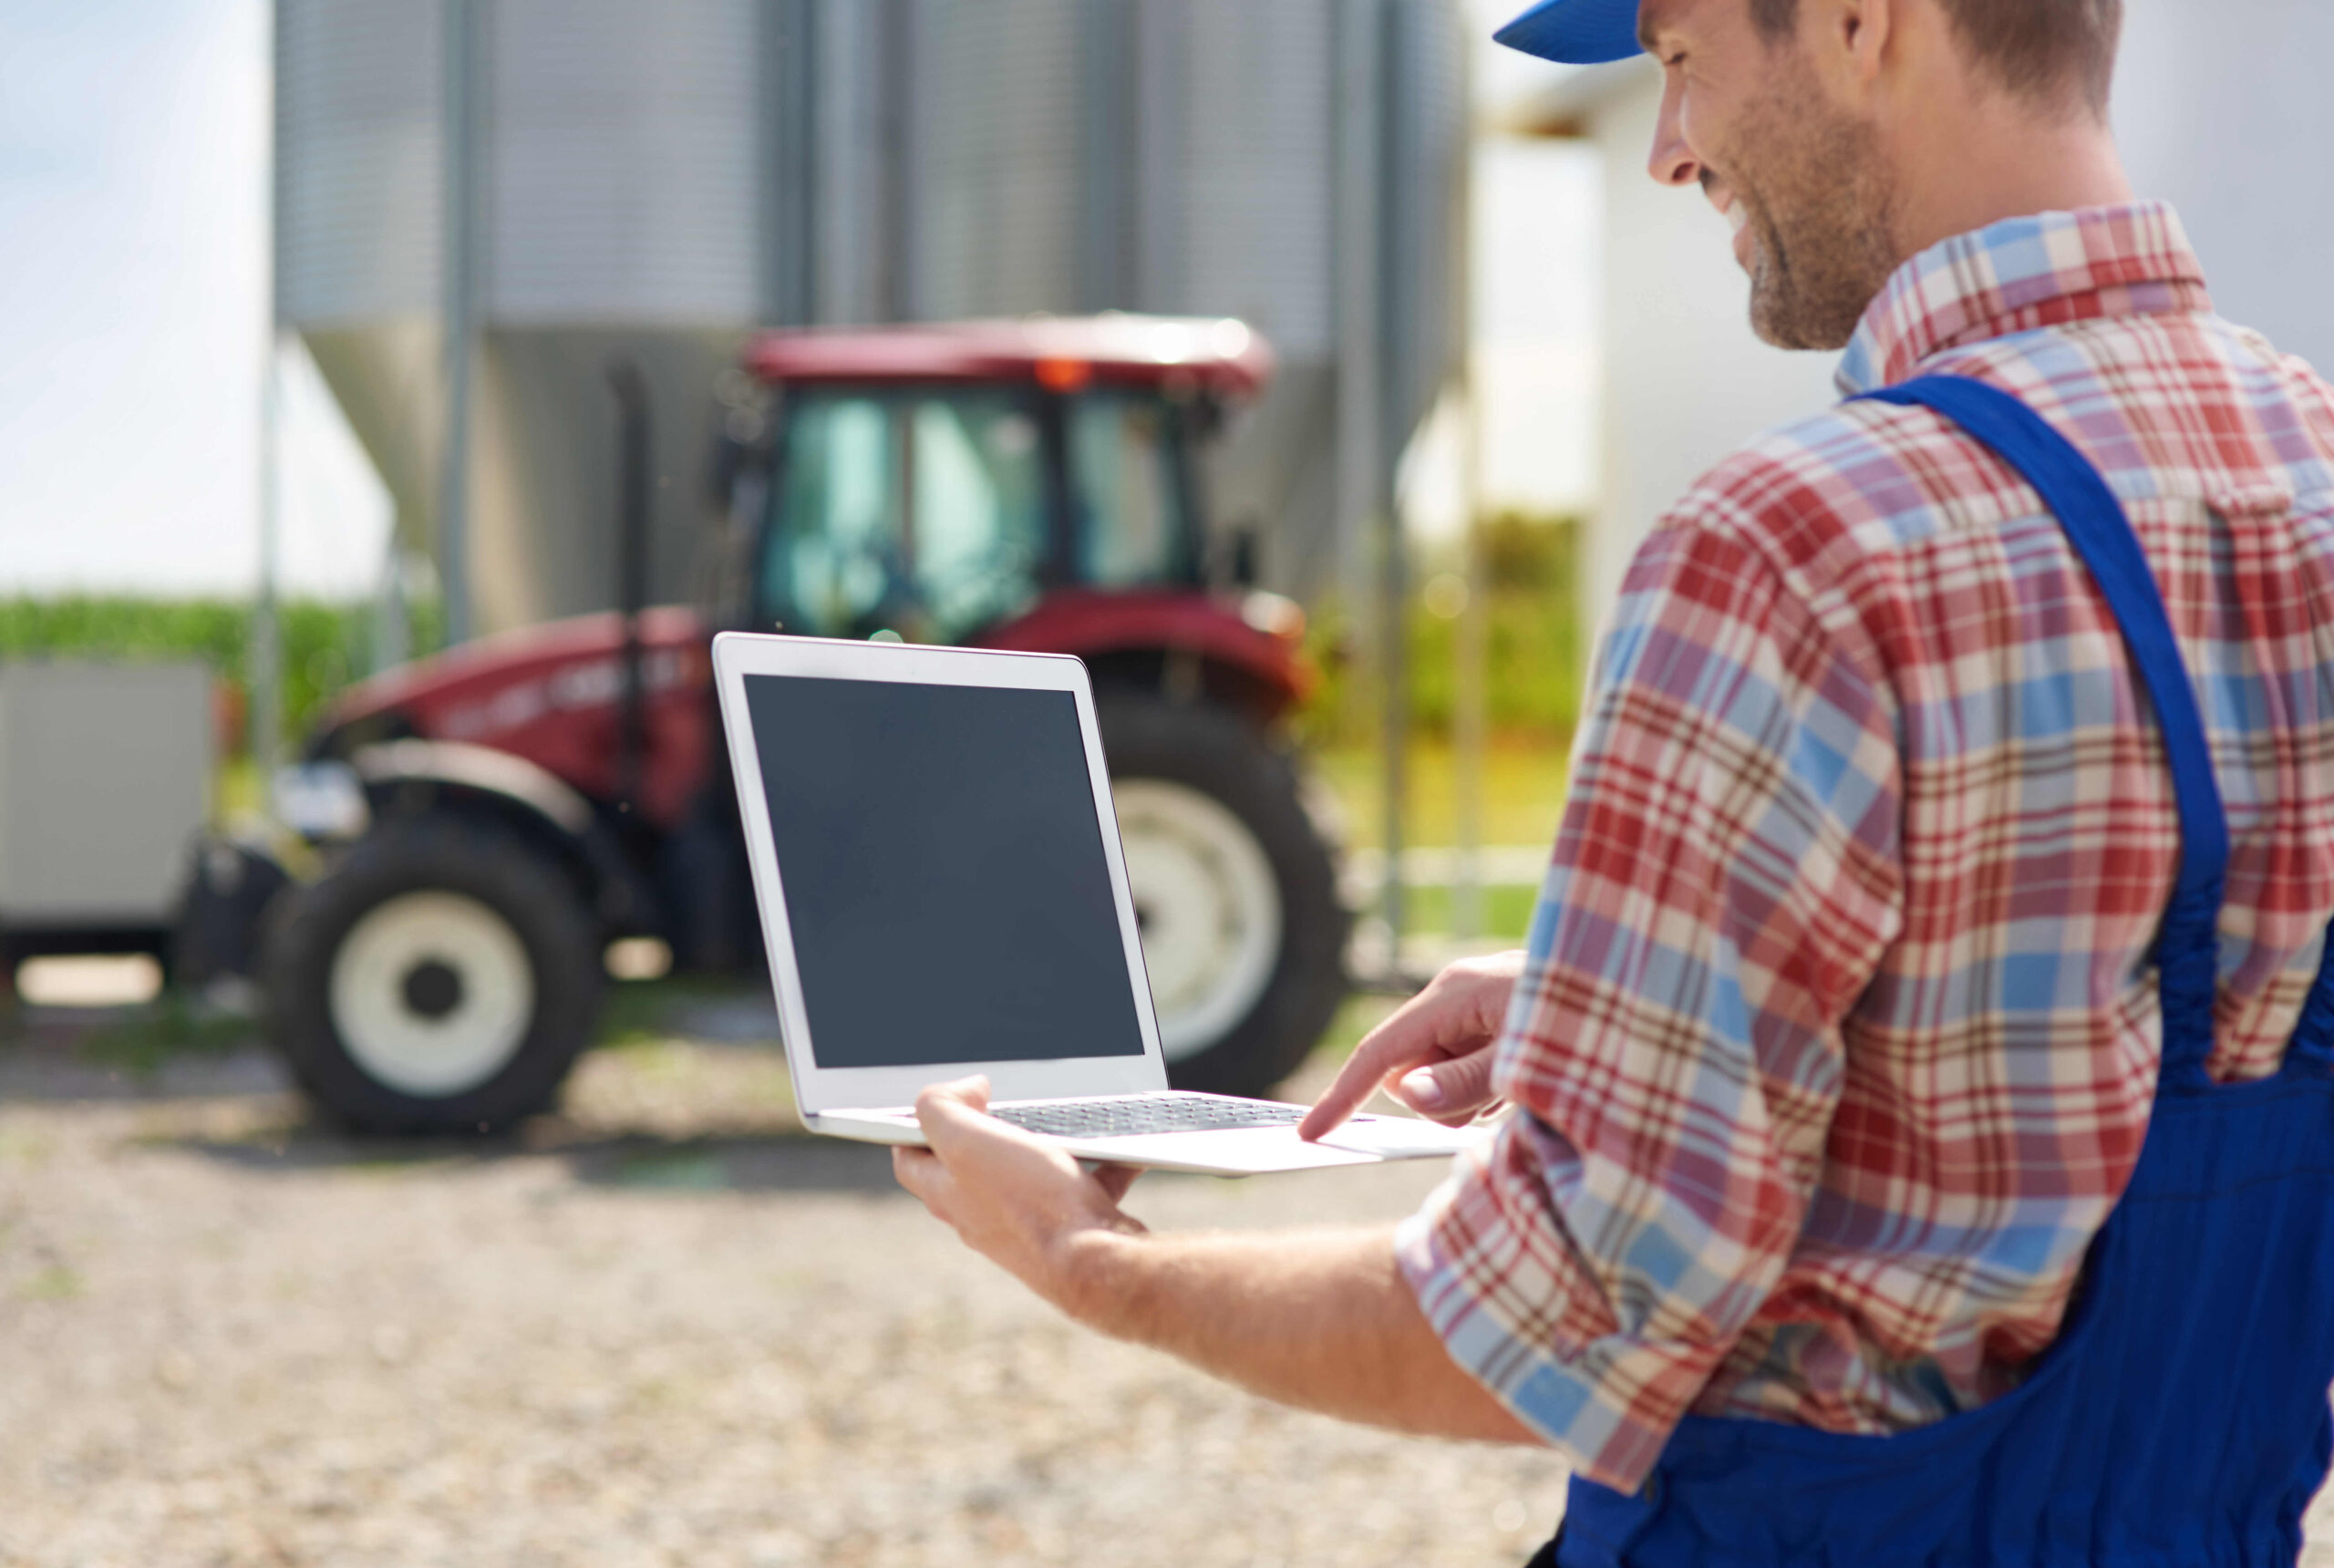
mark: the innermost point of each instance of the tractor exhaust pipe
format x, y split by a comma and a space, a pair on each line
631, 389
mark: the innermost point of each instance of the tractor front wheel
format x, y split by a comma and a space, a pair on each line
443, 978
1235, 892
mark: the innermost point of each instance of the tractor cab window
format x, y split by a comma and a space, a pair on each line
1125, 494
921, 514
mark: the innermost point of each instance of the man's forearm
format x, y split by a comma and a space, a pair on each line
1322, 1320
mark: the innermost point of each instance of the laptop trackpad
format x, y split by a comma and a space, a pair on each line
1399, 1138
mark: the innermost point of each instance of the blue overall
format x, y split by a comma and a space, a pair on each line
2182, 1416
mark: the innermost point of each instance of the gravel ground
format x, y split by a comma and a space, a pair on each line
664, 1326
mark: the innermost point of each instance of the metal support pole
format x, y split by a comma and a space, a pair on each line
1363, 502
264, 668
1106, 173
463, 22
634, 449
392, 626
1470, 721
1399, 316
1393, 639
852, 153
896, 39
1359, 415
791, 201
266, 661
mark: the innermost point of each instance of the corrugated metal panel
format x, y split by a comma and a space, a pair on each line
358, 160
622, 145
1239, 221
994, 158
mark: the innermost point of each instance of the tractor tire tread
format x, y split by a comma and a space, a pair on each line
1215, 750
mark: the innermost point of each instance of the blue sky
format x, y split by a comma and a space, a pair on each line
133, 169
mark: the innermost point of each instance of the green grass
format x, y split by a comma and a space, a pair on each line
686, 1170
1535, 646
1357, 1018
55, 1282
1506, 911
1522, 792
237, 793
639, 1015
142, 1042
325, 647
1534, 668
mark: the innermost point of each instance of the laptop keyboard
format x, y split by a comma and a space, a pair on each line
1122, 1116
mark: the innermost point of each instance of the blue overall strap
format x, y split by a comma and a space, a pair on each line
2188, 945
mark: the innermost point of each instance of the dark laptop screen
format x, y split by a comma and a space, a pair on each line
944, 874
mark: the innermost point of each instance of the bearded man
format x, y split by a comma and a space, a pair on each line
1920, 1129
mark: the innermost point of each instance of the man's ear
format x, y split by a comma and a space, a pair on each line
1850, 39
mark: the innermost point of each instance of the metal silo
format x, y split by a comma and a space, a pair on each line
618, 176
615, 164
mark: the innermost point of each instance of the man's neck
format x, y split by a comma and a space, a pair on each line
1992, 167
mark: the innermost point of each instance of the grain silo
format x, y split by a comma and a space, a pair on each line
560, 182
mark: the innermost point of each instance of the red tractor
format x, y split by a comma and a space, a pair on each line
512, 808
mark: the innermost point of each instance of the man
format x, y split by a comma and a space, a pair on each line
1839, 1036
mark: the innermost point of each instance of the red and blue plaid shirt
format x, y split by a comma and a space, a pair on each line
1837, 1036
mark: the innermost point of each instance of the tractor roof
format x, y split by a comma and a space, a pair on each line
1219, 355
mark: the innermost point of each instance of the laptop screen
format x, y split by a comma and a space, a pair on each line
943, 872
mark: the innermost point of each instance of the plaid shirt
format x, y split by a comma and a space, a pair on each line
1837, 1036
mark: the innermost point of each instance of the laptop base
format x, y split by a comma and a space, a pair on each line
1232, 1152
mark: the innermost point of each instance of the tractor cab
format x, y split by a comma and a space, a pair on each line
938, 484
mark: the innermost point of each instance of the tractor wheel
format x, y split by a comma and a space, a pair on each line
1235, 892
441, 978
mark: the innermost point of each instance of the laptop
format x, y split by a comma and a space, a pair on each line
942, 894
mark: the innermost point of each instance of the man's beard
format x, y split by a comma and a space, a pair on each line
1819, 207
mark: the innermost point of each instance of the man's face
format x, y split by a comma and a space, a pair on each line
1798, 176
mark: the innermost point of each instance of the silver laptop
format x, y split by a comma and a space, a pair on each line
942, 894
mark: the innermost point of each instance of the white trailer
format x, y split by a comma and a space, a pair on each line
105, 798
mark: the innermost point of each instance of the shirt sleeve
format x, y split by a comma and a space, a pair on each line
1722, 886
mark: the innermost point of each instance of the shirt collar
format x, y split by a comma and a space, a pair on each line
2018, 275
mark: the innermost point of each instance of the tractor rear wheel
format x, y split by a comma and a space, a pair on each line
1235, 891
443, 978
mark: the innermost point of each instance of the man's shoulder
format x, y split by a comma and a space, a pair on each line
2202, 406
1857, 474
2296, 383
1809, 450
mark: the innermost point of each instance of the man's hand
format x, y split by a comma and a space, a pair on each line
1018, 1201
1434, 1054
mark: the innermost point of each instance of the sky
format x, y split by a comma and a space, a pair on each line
133, 284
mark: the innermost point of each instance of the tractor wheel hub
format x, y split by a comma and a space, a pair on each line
432, 993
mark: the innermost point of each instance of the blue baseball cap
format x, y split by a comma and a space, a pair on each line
1575, 32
